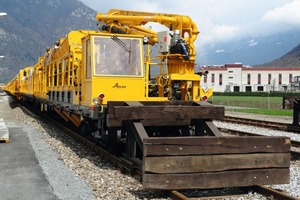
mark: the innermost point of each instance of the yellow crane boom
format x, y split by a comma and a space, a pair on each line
131, 22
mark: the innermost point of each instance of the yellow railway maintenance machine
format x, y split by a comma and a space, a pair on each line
136, 90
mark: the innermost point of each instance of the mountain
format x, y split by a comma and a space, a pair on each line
291, 59
251, 51
33, 25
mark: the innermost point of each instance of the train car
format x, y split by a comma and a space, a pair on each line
26, 82
12, 87
148, 107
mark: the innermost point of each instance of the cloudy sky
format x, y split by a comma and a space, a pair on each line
219, 20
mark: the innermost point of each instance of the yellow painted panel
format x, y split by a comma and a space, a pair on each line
119, 88
187, 77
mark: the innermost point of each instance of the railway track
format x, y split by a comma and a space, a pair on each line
261, 123
264, 124
267, 192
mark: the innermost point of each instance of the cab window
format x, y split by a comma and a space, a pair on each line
117, 56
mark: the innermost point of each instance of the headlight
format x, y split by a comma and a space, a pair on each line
101, 96
96, 101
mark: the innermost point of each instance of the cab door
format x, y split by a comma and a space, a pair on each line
86, 73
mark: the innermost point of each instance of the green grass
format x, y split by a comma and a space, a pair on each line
249, 102
255, 105
273, 112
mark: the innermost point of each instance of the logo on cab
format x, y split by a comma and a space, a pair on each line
119, 86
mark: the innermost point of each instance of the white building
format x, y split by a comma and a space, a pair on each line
237, 78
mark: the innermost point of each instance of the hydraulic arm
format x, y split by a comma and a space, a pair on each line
131, 22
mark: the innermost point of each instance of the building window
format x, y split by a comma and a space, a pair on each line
248, 88
236, 88
230, 77
205, 79
258, 78
248, 79
260, 88
290, 78
230, 71
296, 79
269, 78
220, 79
212, 78
279, 79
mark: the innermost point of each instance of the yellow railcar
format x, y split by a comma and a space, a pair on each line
13, 86
39, 80
89, 68
26, 81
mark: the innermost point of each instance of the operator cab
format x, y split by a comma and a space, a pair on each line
114, 68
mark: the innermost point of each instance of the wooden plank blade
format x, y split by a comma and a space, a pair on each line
210, 163
163, 146
176, 112
238, 178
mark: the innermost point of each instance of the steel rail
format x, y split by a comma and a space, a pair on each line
274, 194
256, 122
263, 123
267, 192
176, 195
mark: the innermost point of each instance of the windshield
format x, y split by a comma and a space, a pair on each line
117, 56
